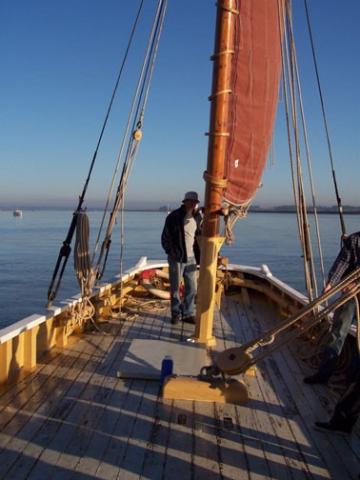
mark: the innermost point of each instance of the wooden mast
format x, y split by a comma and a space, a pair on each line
214, 176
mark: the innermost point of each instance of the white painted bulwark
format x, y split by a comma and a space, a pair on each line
21, 326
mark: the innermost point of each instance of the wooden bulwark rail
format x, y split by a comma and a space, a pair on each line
18, 345
24, 342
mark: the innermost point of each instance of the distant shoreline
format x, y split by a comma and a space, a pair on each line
310, 212
324, 211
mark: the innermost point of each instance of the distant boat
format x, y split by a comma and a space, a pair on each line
17, 213
166, 209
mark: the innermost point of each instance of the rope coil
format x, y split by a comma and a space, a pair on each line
65, 250
214, 181
214, 56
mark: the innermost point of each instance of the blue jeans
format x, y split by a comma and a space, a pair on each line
343, 318
177, 271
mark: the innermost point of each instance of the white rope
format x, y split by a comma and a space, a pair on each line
82, 262
84, 310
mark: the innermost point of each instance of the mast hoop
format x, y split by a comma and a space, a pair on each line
216, 182
228, 51
234, 11
217, 134
220, 92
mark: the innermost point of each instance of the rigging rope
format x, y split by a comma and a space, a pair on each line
308, 316
296, 172
131, 116
307, 246
338, 198
83, 310
311, 177
82, 263
65, 250
145, 77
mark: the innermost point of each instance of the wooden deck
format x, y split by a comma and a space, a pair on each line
74, 419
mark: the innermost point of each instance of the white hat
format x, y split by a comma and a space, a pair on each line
191, 196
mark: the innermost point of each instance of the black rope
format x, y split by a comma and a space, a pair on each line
65, 250
338, 198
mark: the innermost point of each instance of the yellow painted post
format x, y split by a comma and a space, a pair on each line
30, 350
210, 247
61, 337
5, 360
18, 349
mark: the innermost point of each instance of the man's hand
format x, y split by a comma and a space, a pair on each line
349, 287
327, 288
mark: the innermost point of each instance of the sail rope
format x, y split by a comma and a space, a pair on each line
309, 159
319, 331
295, 163
131, 115
311, 176
303, 320
338, 198
83, 310
65, 249
135, 137
82, 262
232, 214
307, 245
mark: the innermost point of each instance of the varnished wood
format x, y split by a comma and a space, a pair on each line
219, 113
214, 175
189, 388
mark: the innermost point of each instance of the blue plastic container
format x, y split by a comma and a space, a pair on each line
167, 366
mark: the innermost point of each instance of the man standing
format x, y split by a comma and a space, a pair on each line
347, 260
179, 241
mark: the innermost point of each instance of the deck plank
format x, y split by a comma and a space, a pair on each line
99, 426
343, 448
48, 441
284, 368
86, 411
178, 463
47, 363
145, 444
153, 438
290, 438
125, 424
27, 421
233, 458
260, 427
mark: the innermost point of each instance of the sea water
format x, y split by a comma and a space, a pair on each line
30, 245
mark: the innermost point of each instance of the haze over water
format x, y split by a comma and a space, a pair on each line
30, 246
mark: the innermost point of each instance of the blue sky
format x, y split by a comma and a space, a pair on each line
59, 61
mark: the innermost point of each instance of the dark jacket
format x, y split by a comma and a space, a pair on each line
173, 236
